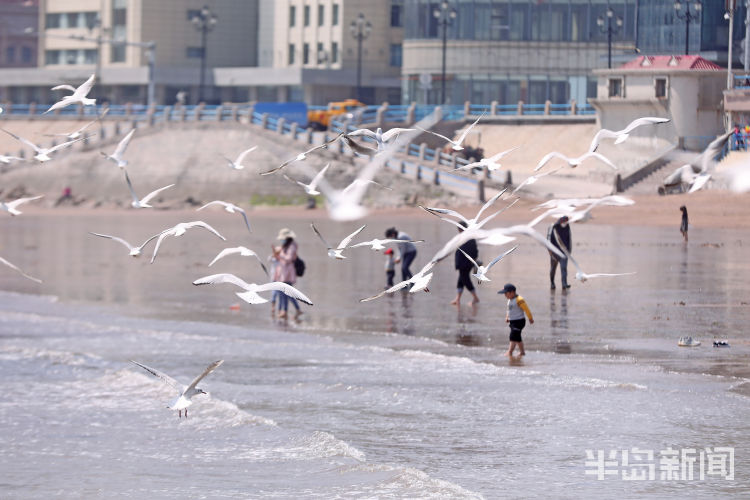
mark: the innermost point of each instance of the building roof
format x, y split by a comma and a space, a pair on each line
670, 62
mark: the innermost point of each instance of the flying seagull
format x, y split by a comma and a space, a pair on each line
79, 95
79, 132
622, 135
143, 202
335, 253
184, 398
533, 178
237, 164
378, 245
7, 159
574, 162
303, 155
250, 295
134, 251
121, 147
228, 207
42, 154
10, 206
18, 269
179, 230
380, 137
491, 163
455, 145
474, 222
243, 251
481, 274
312, 188
418, 282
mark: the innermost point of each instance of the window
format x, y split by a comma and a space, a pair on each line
89, 56
305, 53
92, 19
397, 10
334, 52
335, 14
52, 21
26, 55
118, 53
321, 54
10, 54
52, 57
194, 52
292, 16
306, 15
290, 59
321, 15
70, 57
660, 88
396, 52
191, 13
615, 87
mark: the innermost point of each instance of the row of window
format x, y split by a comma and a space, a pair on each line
332, 57
70, 56
306, 15
616, 87
71, 20
26, 54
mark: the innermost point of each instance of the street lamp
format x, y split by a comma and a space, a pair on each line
204, 21
360, 29
609, 30
688, 17
445, 16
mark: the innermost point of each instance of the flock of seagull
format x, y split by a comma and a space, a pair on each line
345, 205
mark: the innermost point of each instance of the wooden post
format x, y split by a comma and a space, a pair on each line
419, 171
422, 150
493, 107
280, 125
467, 108
264, 121
480, 191
411, 113
547, 106
573, 107
436, 177
520, 108
219, 112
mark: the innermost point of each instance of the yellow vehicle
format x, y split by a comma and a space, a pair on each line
321, 119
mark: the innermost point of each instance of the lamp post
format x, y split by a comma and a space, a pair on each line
688, 17
91, 24
204, 22
445, 16
729, 16
360, 29
609, 30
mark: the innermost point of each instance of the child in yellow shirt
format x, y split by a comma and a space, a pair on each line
514, 316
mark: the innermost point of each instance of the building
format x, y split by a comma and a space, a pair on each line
18, 48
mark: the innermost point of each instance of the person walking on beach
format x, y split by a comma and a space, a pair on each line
464, 267
286, 254
559, 235
514, 316
390, 267
406, 249
684, 223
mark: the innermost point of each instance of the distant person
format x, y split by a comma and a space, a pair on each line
559, 236
739, 139
390, 267
464, 266
407, 251
285, 271
181, 98
514, 316
684, 223
67, 195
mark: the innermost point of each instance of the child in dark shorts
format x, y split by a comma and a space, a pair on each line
514, 316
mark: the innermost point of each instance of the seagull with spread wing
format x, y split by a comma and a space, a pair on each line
622, 135
179, 230
303, 156
574, 162
377, 244
9, 158
11, 206
79, 95
185, 396
481, 274
418, 282
243, 251
335, 253
381, 138
237, 164
230, 208
79, 132
120, 151
133, 251
533, 178
312, 188
491, 163
18, 270
457, 144
143, 202
42, 154
250, 295
474, 222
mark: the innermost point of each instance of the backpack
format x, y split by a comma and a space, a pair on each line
299, 266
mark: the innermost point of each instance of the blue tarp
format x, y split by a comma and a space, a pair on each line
290, 111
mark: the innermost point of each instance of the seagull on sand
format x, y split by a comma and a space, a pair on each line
121, 147
42, 154
143, 202
455, 145
228, 207
237, 164
622, 135
79, 132
79, 95
380, 137
179, 230
312, 188
243, 251
481, 274
10, 206
574, 162
303, 156
250, 295
18, 269
491, 163
335, 253
134, 251
184, 398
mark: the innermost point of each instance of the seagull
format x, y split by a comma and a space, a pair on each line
143, 202
7, 159
79, 132
237, 164
456, 145
585, 214
18, 269
380, 137
378, 245
134, 251
42, 154
698, 172
533, 178
250, 295
10, 206
622, 135
179, 230
121, 146
363, 182
574, 162
303, 155
481, 274
418, 282
228, 207
357, 148
583, 277
473, 222
335, 253
243, 251
312, 188
79, 95
491, 162
184, 399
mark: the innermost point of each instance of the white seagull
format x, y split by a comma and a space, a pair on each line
335, 253
362, 183
491, 163
237, 164
533, 178
179, 230
418, 282
378, 245
455, 145
584, 215
18, 269
250, 295
481, 274
42, 154
583, 277
121, 147
303, 155
622, 135
312, 188
134, 251
380, 137
79, 132
243, 251
143, 202
10, 206
228, 207
79, 95
474, 222
186, 393
7, 159
574, 162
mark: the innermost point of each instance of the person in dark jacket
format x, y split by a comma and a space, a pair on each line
464, 267
559, 235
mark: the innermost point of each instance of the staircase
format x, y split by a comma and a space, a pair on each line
650, 178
